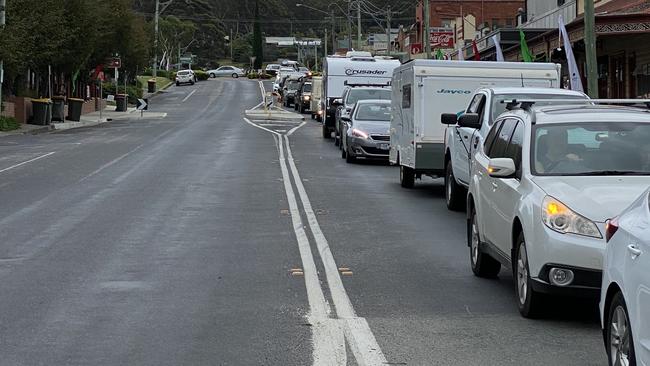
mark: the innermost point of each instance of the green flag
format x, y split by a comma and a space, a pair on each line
439, 54
525, 52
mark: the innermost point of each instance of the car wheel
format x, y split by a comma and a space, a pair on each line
313, 116
344, 154
349, 158
528, 300
212, 75
482, 264
620, 345
326, 132
235, 76
454, 196
406, 176
178, 84
337, 139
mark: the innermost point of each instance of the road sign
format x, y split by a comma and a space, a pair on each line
114, 63
143, 104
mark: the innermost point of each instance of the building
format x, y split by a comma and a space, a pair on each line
454, 22
622, 34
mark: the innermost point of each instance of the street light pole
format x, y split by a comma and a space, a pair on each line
349, 27
3, 4
388, 14
590, 49
359, 24
334, 47
427, 30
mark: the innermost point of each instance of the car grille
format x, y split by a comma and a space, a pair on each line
375, 151
380, 137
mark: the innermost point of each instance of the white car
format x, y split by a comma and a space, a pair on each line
231, 71
625, 296
185, 77
542, 186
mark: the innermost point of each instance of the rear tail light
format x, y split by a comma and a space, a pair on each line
610, 228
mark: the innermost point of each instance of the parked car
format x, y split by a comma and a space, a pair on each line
365, 131
488, 104
272, 69
352, 94
231, 71
304, 70
185, 77
303, 96
625, 295
543, 184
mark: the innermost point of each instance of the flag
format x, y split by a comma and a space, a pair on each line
477, 55
574, 74
439, 54
461, 53
497, 45
525, 52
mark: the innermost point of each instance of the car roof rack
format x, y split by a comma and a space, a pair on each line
347, 83
526, 104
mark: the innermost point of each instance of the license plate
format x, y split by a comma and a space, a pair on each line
383, 146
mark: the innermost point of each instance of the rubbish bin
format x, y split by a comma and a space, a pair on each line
74, 109
151, 85
42, 112
58, 108
121, 101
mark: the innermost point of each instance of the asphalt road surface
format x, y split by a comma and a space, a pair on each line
208, 239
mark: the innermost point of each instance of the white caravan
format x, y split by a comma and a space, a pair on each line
357, 70
425, 89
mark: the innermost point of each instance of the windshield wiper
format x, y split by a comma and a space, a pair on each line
613, 172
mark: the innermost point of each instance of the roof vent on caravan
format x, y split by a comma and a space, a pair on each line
353, 54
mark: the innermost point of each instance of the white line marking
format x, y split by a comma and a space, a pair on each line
291, 131
360, 337
189, 95
110, 163
26, 162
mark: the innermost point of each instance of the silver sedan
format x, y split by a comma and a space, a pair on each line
366, 131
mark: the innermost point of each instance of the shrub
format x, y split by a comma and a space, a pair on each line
253, 75
8, 124
200, 75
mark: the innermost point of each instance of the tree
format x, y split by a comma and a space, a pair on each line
258, 46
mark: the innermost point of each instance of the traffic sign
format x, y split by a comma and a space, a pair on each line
143, 104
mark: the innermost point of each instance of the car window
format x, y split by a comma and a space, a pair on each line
476, 102
513, 151
306, 88
372, 112
498, 148
356, 95
591, 148
489, 140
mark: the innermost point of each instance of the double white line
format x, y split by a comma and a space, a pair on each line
330, 330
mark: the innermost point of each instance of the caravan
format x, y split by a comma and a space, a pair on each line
339, 71
425, 89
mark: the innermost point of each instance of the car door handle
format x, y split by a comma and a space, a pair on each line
634, 251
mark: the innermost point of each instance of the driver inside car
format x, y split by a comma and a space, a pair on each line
553, 151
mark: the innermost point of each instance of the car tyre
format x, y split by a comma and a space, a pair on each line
235, 76
212, 75
619, 342
178, 84
529, 301
406, 176
483, 265
326, 132
349, 158
454, 196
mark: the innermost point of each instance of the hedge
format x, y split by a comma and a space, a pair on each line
8, 124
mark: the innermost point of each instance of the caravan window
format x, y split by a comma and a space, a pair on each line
406, 96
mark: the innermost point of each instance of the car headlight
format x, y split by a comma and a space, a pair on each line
306, 97
359, 133
560, 218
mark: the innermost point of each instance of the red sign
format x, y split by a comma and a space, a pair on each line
114, 63
416, 48
442, 39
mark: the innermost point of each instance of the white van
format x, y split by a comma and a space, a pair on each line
339, 71
425, 89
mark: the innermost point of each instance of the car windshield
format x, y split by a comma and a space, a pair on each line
591, 148
364, 94
306, 88
293, 85
499, 107
373, 112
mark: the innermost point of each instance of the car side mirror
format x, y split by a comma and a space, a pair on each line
346, 119
469, 120
337, 102
502, 168
449, 118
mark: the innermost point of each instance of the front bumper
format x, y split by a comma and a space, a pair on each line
368, 148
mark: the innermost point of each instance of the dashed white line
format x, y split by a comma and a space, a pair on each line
27, 162
189, 95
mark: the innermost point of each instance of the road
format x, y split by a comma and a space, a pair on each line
201, 239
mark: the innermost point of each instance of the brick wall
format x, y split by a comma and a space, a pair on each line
8, 109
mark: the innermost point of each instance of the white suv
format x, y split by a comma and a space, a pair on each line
185, 77
542, 186
625, 296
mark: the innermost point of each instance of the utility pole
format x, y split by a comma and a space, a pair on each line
325, 50
230, 44
427, 30
388, 14
349, 25
590, 49
334, 47
359, 24
155, 43
3, 4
